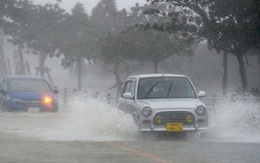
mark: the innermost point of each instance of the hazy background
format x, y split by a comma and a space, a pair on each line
204, 68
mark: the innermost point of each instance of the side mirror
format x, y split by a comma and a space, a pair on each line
2, 91
128, 96
202, 94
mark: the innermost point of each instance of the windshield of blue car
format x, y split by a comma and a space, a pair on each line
165, 87
29, 85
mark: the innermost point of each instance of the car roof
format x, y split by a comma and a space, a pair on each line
156, 75
24, 77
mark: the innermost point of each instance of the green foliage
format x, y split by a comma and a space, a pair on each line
229, 25
8, 9
36, 27
105, 18
76, 35
153, 46
143, 46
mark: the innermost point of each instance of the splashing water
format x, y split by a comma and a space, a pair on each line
85, 119
236, 120
89, 119
93, 120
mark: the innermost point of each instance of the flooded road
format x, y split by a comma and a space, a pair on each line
92, 131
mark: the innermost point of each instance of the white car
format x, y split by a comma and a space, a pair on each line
164, 103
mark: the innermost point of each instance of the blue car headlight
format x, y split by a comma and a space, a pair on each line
12, 99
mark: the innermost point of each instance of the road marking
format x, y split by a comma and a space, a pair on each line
136, 152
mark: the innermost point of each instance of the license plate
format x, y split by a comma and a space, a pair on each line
34, 109
174, 127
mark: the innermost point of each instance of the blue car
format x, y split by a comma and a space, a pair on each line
27, 93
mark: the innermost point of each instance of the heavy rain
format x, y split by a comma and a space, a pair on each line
86, 50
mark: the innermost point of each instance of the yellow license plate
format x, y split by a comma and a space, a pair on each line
174, 127
34, 109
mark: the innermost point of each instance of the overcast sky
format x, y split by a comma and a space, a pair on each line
89, 4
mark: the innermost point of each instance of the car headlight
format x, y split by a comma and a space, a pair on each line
147, 111
200, 110
13, 99
47, 100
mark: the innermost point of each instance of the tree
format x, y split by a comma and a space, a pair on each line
16, 25
226, 25
8, 9
114, 51
3, 66
35, 29
45, 22
78, 40
108, 23
153, 46
106, 19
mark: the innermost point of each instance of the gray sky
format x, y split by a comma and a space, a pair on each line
89, 4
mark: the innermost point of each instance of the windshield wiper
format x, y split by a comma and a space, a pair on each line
169, 91
150, 90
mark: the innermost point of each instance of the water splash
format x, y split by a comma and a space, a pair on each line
84, 119
236, 120
89, 119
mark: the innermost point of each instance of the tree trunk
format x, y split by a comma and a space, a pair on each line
242, 72
118, 80
79, 73
21, 70
42, 64
225, 72
3, 65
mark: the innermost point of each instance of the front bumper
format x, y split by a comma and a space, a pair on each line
200, 122
36, 107
186, 128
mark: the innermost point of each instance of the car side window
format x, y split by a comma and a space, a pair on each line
127, 87
133, 85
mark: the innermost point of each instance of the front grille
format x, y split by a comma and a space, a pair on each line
32, 102
174, 116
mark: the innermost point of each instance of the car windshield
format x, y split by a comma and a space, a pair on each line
29, 85
165, 87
